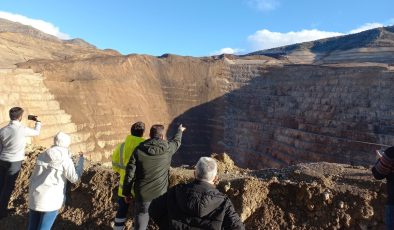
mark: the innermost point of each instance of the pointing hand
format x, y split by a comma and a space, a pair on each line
181, 128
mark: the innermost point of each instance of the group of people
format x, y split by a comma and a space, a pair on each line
53, 168
143, 167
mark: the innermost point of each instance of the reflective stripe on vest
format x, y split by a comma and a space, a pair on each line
121, 156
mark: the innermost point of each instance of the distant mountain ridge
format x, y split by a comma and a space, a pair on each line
372, 41
21, 43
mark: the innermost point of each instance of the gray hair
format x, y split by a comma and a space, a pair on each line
206, 169
62, 140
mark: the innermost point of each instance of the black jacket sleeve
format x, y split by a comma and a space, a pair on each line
158, 211
231, 218
175, 143
377, 175
130, 174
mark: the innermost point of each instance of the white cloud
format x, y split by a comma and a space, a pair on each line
44, 26
265, 39
227, 51
263, 5
366, 26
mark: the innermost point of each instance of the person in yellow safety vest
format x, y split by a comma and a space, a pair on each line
120, 158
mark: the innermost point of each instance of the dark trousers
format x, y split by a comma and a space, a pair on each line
141, 216
389, 219
9, 172
121, 214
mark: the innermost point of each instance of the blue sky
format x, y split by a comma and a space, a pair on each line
199, 27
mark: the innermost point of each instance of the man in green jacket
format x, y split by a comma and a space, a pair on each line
147, 172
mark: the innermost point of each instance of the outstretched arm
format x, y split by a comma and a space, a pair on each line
73, 173
175, 143
33, 132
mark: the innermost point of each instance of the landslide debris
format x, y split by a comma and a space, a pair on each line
304, 196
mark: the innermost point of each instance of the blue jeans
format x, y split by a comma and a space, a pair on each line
41, 220
9, 172
121, 213
389, 219
141, 215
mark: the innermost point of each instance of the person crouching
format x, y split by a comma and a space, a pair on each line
47, 185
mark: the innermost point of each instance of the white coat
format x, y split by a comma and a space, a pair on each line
48, 181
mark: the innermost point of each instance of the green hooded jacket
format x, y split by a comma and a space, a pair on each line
148, 168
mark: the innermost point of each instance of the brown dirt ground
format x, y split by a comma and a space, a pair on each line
304, 196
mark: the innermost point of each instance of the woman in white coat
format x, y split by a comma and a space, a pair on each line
48, 182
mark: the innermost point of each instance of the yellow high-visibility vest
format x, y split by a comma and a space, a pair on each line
121, 156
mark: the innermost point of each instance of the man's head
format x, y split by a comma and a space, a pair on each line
206, 170
156, 131
137, 129
16, 113
62, 140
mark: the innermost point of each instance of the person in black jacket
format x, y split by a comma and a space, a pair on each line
196, 205
147, 172
384, 169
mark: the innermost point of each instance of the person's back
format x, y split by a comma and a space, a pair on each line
148, 171
48, 182
120, 158
49, 178
153, 159
12, 153
13, 140
196, 205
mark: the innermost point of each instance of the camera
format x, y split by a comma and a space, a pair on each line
32, 118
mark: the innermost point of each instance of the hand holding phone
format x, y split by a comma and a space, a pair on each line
378, 154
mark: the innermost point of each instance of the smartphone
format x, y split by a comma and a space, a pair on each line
32, 117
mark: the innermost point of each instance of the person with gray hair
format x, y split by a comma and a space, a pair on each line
196, 205
206, 169
54, 167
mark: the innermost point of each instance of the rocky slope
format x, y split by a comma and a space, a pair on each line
20, 43
375, 45
265, 111
304, 196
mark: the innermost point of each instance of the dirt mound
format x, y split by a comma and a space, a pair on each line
304, 196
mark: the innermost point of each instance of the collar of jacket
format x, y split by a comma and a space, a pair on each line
204, 183
15, 122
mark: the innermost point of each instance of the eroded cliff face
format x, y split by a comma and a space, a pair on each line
262, 114
105, 95
265, 111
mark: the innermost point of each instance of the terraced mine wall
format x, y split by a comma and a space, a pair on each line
262, 115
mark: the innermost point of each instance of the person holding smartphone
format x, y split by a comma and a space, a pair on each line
384, 169
12, 153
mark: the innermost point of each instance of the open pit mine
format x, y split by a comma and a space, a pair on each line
288, 108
